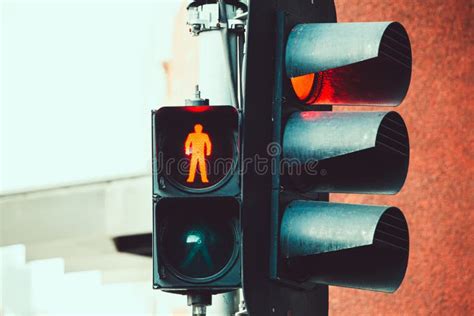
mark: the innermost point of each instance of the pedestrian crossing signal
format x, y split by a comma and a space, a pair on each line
196, 204
198, 146
195, 148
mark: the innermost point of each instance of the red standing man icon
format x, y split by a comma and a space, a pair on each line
197, 144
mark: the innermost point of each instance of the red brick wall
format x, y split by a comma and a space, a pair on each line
438, 196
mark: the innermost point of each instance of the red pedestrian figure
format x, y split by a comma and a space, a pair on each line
198, 145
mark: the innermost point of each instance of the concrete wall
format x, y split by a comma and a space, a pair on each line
437, 198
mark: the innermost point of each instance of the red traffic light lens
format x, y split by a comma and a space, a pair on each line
303, 86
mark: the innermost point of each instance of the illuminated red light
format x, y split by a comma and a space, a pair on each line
303, 86
314, 88
197, 108
198, 145
195, 145
370, 82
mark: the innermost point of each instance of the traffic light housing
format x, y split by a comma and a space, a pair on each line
356, 152
300, 64
196, 202
360, 246
349, 63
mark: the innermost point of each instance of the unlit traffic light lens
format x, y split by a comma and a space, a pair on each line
198, 238
200, 249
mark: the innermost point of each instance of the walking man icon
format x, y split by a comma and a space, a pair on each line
198, 145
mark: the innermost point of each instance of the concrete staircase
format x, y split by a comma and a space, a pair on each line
42, 287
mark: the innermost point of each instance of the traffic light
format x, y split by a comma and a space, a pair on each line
196, 203
241, 192
301, 63
196, 166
